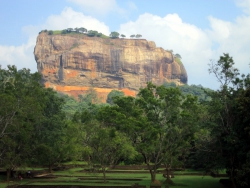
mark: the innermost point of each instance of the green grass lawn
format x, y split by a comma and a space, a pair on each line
75, 176
196, 182
75, 163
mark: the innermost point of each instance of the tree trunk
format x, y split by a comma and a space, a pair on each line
233, 182
232, 179
104, 174
168, 171
232, 170
8, 171
152, 173
50, 168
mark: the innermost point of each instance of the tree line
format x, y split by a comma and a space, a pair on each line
90, 33
163, 125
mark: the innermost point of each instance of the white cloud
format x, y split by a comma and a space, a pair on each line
244, 4
232, 38
22, 56
196, 46
98, 6
71, 18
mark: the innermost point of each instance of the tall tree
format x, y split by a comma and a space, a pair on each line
107, 146
228, 129
20, 95
172, 121
49, 137
158, 121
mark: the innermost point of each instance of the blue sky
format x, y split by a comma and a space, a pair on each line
199, 30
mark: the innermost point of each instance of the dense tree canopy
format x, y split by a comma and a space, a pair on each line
112, 95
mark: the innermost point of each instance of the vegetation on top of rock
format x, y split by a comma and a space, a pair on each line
50, 32
178, 60
177, 55
138, 36
90, 33
114, 34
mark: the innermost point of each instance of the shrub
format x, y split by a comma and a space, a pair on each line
50, 32
64, 31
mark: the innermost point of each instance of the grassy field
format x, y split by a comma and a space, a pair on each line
75, 176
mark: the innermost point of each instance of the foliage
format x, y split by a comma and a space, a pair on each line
31, 120
99, 34
196, 90
92, 33
132, 36
178, 56
159, 121
138, 36
114, 34
178, 60
69, 30
21, 107
123, 36
83, 30
107, 146
64, 31
70, 106
227, 145
48, 139
50, 32
112, 95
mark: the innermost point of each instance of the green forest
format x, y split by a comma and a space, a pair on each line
174, 126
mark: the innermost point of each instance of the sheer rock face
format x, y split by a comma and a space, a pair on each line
74, 63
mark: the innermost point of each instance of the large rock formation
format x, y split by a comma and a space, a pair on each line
73, 63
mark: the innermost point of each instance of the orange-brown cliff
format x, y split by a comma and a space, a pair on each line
74, 63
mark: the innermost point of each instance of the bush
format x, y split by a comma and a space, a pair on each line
99, 34
50, 32
91, 34
64, 31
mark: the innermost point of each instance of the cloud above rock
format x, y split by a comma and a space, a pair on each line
22, 56
98, 6
197, 46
